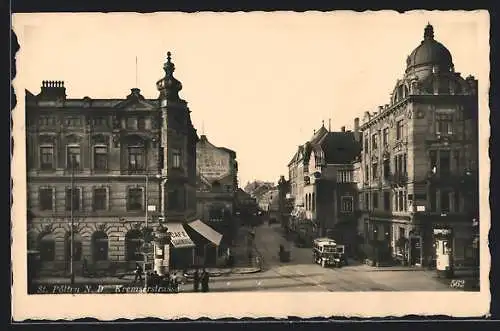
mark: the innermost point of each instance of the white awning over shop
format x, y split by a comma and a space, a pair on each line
206, 231
179, 236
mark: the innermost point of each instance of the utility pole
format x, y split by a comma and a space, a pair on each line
72, 232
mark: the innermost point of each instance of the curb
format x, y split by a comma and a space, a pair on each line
248, 271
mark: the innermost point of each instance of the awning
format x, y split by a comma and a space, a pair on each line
206, 231
179, 236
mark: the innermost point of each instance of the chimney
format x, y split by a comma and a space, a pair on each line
356, 124
380, 109
53, 90
329, 124
342, 129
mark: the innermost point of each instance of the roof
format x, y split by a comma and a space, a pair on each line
340, 147
206, 231
430, 52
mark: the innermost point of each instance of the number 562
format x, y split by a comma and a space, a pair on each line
457, 283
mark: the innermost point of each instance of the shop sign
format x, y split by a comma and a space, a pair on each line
442, 231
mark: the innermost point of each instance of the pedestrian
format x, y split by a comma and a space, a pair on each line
155, 279
196, 280
138, 273
204, 281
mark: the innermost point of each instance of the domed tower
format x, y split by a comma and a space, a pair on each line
178, 149
429, 56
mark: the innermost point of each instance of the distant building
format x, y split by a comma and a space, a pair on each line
322, 185
118, 153
419, 163
216, 188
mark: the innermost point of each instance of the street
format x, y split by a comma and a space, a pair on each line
300, 274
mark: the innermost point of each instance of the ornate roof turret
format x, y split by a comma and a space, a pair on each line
169, 86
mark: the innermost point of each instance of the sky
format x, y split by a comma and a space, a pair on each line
257, 83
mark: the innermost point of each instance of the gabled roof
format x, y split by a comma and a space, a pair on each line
340, 147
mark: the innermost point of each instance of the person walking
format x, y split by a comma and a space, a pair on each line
138, 273
204, 281
196, 280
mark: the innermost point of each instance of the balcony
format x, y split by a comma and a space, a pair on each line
397, 179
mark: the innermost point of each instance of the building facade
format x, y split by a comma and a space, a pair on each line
322, 186
101, 165
217, 187
419, 161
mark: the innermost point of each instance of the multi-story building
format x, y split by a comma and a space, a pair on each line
419, 159
322, 185
103, 164
217, 186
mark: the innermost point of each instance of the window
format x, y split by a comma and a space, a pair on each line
141, 123
444, 124
432, 200
367, 201
77, 246
387, 201
135, 199
131, 123
100, 246
445, 201
313, 202
375, 170
135, 158
366, 145
73, 199
375, 200
46, 157
73, 161
405, 161
100, 121
456, 201
387, 168
99, 199
73, 121
367, 173
444, 163
374, 141
100, 158
344, 176
346, 204
399, 130
385, 137
133, 243
46, 120
47, 247
176, 158
46, 201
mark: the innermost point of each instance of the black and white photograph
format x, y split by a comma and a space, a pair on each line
251, 164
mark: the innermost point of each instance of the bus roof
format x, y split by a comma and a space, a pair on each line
325, 241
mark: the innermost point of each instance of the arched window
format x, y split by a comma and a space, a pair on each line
133, 242
313, 202
100, 246
77, 246
47, 247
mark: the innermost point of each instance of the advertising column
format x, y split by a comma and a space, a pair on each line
161, 251
443, 238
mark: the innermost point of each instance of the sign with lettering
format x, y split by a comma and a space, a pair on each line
442, 231
212, 162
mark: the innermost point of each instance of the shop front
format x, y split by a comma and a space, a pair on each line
208, 243
182, 247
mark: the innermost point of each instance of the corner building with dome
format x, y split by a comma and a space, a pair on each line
418, 170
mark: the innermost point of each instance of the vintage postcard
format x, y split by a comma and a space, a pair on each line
255, 164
